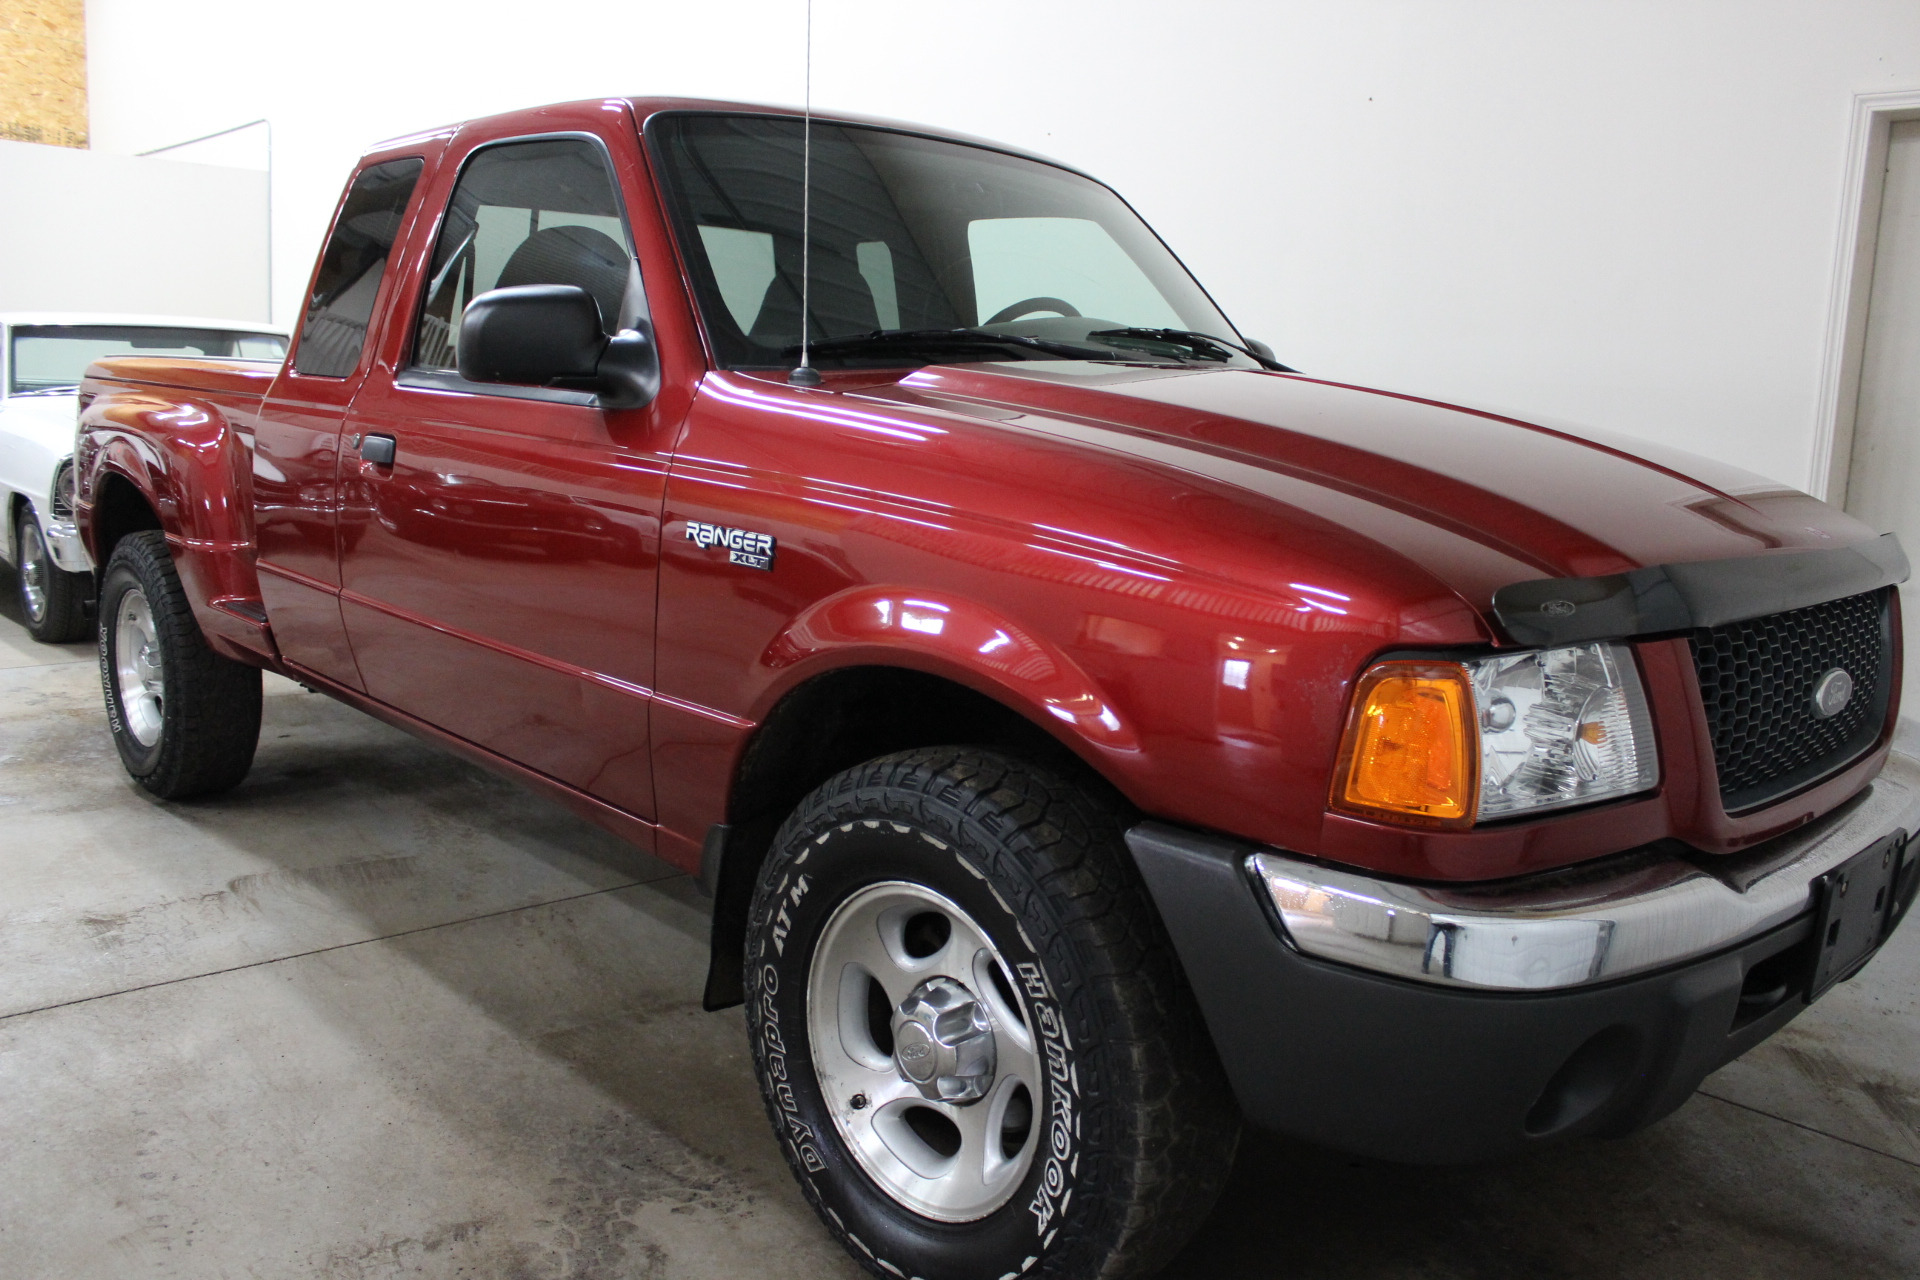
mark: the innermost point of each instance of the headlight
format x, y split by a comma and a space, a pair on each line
62, 496
1560, 727
1454, 743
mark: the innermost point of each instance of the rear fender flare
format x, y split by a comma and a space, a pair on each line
185, 460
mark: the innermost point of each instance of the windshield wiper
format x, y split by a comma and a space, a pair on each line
947, 342
50, 391
1204, 345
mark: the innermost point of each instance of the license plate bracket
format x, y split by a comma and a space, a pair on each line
1855, 900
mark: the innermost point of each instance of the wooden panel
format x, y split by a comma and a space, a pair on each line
43, 72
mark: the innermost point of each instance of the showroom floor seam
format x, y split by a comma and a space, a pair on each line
338, 946
1912, 1164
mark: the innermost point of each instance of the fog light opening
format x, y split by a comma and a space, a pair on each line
1769, 984
1586, 1083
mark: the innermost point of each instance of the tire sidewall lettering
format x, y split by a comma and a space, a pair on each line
109, 607
799, 1134
1050, 1197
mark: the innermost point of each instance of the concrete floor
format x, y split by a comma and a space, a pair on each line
379, 1014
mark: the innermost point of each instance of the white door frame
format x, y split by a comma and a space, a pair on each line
1874, 114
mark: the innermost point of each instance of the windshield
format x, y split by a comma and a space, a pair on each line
50, 357
917, 236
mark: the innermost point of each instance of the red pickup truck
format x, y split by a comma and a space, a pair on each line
1092, 732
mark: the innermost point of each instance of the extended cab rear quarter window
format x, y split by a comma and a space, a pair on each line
351, 268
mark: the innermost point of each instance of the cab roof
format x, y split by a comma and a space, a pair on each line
645, 108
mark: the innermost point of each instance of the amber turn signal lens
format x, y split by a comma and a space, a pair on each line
1411, 748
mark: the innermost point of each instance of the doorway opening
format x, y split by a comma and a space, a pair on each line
1868, 459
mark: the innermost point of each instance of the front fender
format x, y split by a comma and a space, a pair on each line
36, 437
950, 635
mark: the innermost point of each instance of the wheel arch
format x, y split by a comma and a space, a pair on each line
119, 507
868, 705
9, 541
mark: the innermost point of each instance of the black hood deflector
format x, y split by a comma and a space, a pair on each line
1666, 598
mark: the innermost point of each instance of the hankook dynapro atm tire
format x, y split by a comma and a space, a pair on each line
972, 1035
185, 719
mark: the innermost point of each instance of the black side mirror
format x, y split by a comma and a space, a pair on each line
549, 335
629, 372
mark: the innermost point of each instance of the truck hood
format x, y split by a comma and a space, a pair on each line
1475, 499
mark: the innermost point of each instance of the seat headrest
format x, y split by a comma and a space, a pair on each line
842, 302
581, 256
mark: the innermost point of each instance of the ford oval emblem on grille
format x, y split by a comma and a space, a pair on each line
1831, 693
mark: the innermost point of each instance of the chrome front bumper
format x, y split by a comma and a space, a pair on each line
65, 547
1631, 915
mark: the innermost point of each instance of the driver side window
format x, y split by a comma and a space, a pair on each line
542, 212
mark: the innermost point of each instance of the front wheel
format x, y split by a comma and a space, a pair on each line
971, 1033
185, 719
53, 601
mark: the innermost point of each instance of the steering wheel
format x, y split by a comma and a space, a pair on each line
1027, 305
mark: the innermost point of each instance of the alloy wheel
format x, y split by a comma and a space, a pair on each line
137, 667
34, 570
921, 1049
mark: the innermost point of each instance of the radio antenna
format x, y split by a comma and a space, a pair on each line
804, 374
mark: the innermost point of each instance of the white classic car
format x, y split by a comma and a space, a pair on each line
42, 356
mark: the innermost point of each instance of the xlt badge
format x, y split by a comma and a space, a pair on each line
744, 547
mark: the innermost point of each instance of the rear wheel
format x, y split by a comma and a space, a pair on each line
53, 601
970, 1029
185, 719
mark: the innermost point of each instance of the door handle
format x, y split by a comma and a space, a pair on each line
377, 449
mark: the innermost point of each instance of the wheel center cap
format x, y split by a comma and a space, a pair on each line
914, 1050
943, 1042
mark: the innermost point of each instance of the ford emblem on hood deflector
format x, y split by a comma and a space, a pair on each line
1831, 693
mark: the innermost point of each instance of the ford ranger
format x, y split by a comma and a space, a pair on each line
1093, 733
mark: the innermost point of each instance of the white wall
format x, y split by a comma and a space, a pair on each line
83, 231
1617, 212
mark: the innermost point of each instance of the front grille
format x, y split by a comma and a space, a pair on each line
1757, 680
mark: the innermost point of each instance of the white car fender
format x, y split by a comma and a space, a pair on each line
36, 437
